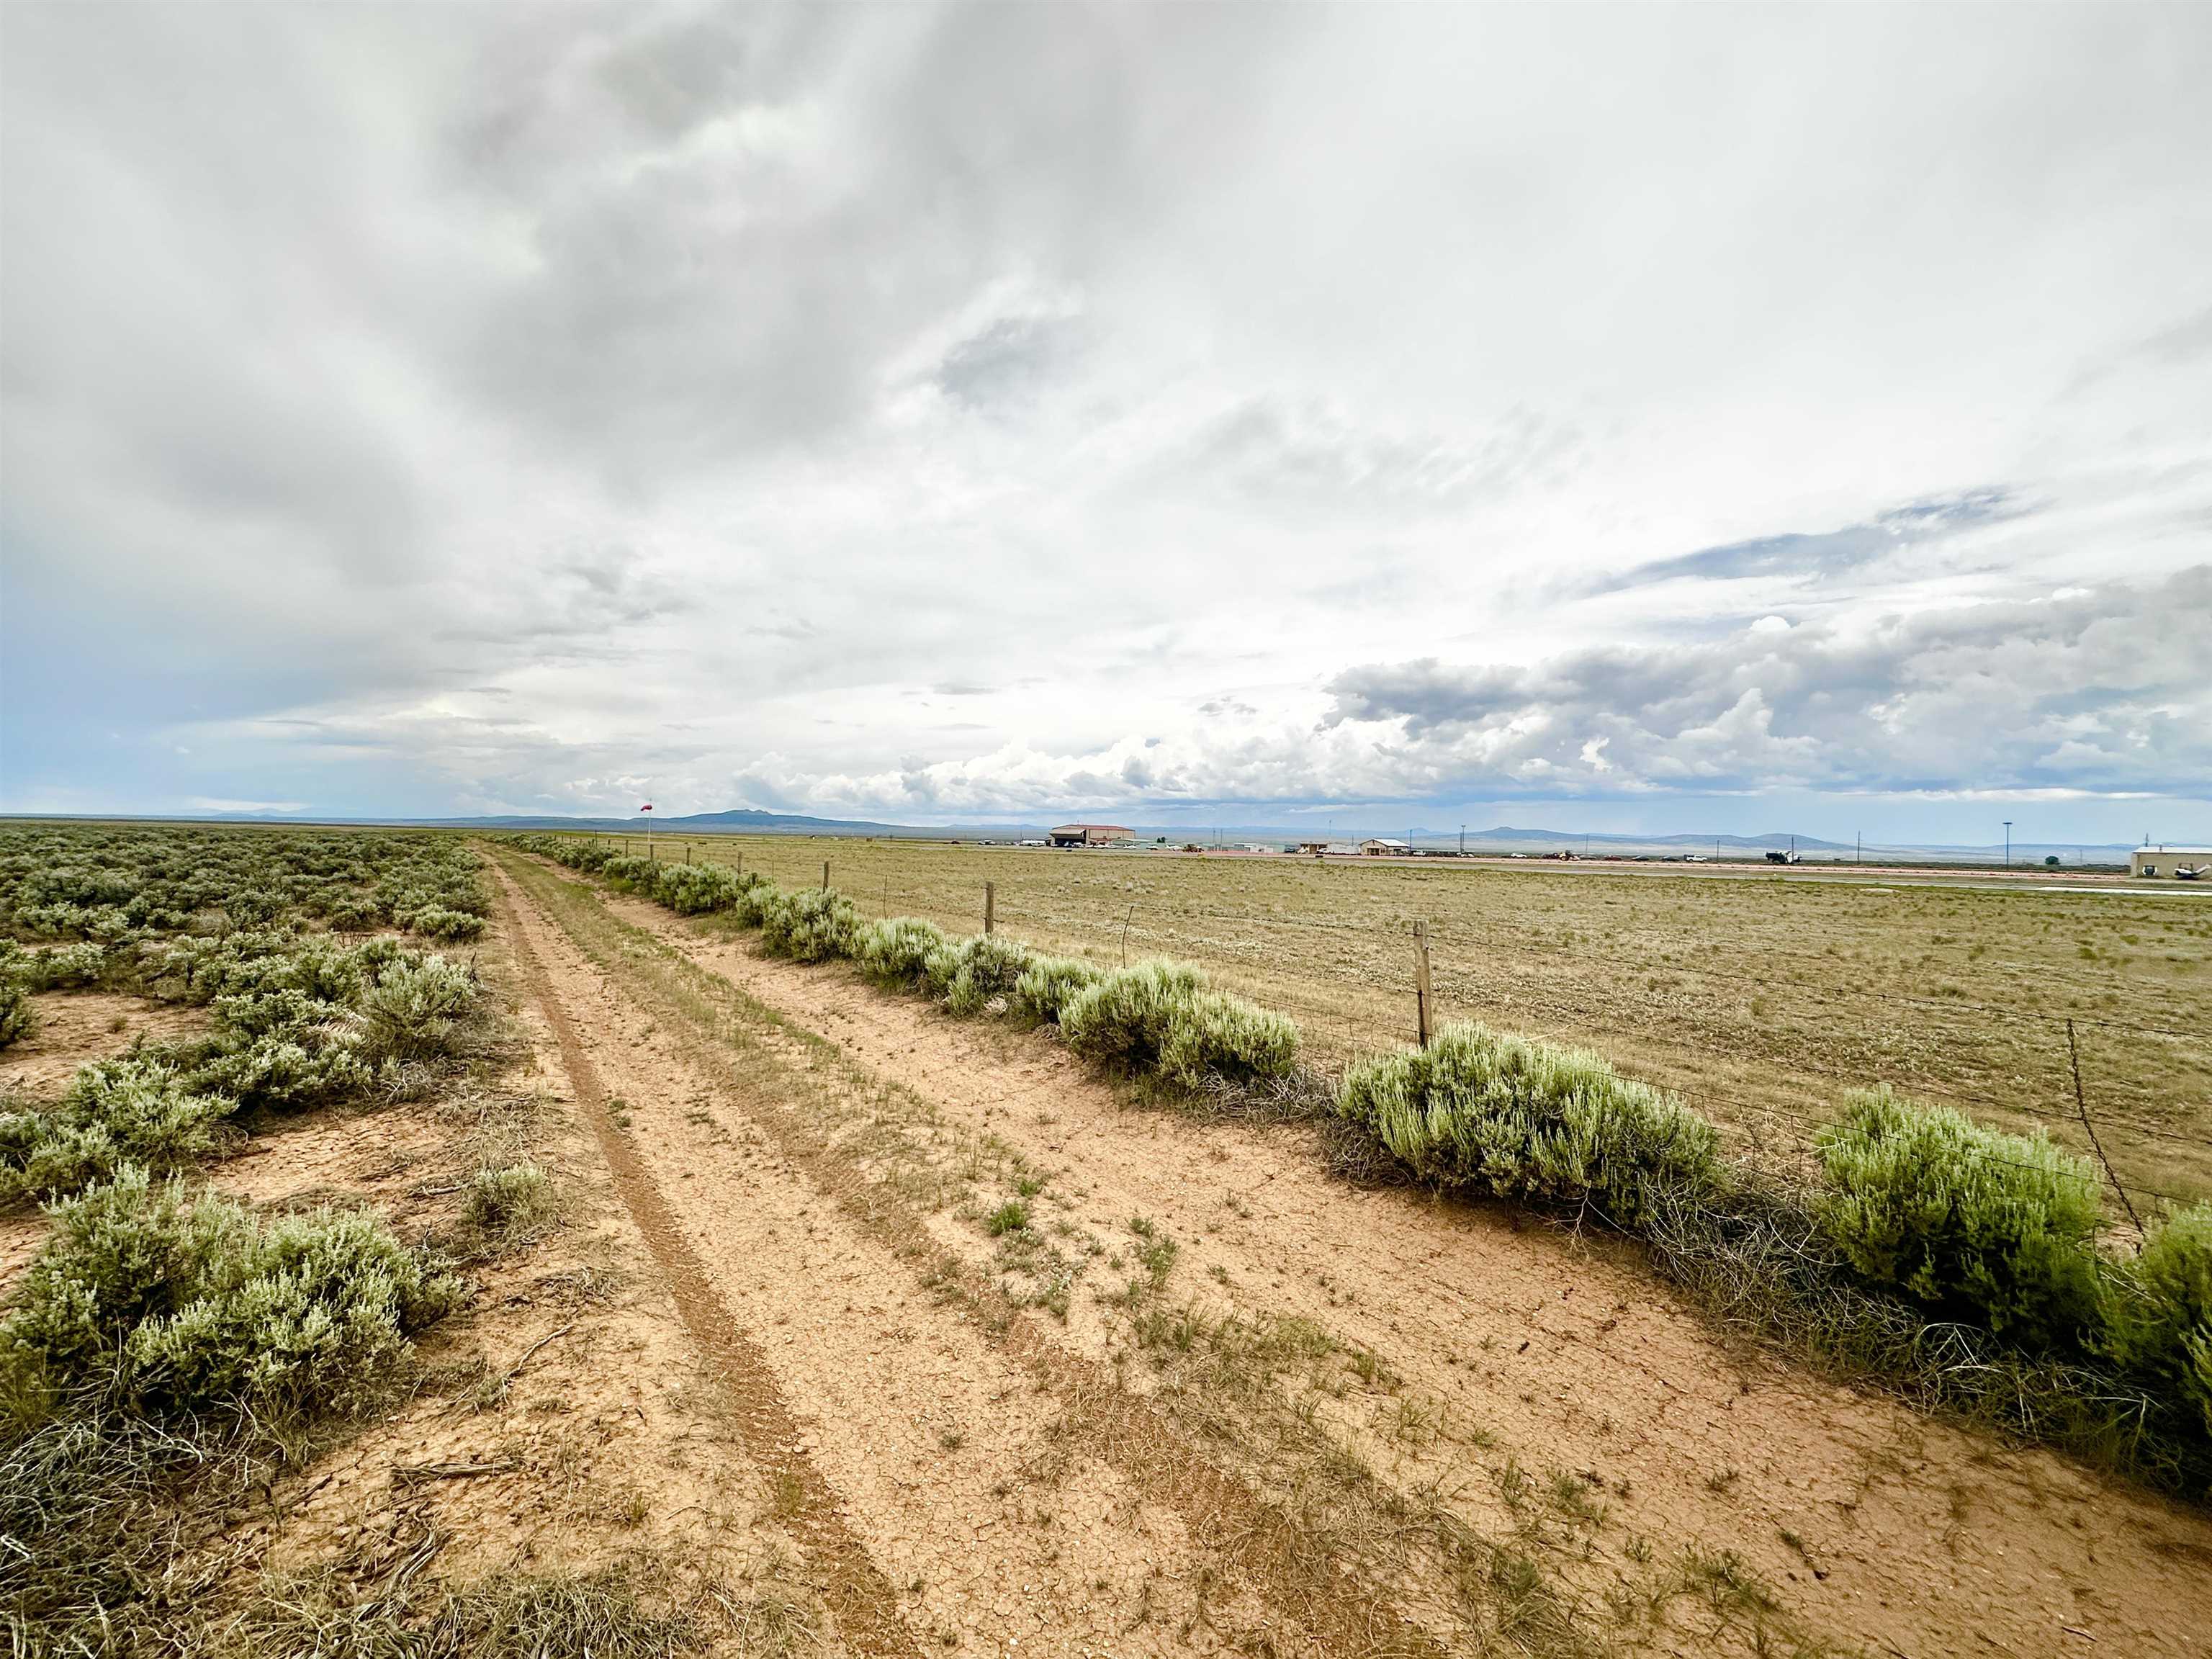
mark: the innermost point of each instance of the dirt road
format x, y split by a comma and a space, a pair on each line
1090, 1379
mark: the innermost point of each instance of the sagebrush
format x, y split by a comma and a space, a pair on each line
153, 1300
1519, 1117
1967, 1220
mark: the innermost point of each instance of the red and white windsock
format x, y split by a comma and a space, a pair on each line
647, 807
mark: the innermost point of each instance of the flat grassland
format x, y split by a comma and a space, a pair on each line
1761, 1000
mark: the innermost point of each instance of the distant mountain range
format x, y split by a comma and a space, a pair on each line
743, 821
1502, 838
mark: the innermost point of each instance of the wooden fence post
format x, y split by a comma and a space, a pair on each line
990, 904
825, 875
1424, 996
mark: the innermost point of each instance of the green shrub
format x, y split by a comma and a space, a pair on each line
754, 894
1011, 1216
414, 1009
895, 951
317, 1066
284, 1048
2159, 1318
692, 889
1048, 983
511, 1202
149, 1298
813, 924
969, 972
632, 870
449, 927
1217, 1035
1967, 1220
17, 1021
67, 967
1121, 1018
138, 1110
1522, 1118
1161, 1015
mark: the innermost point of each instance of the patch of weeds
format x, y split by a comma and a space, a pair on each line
1513, 1483
1372, 1369
1722, 1580
1570, 1496
1011, 1216
1416, 1422
787, 1494
619, 1614
511, 1205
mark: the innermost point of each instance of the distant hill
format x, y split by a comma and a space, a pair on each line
1759, 843
746, 822
1346, 832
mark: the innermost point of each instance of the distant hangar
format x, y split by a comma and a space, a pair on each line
2171, 863
1090, 835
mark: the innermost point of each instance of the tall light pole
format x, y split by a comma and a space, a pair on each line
2007, 843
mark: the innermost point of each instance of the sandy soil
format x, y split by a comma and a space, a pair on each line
570, 1424
564, 1421
77, 1026
1535, 1353
989, 1523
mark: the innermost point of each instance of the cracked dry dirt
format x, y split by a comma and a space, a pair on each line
1025, 1368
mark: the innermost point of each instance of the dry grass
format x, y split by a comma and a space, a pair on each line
1759, 1000
642, 1610
1229, 1432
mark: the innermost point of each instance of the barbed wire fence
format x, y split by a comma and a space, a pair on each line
1339, 1005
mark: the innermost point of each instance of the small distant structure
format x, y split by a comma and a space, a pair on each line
1311, 849
1777, 856
1089, 834
1382, 846
2165, 863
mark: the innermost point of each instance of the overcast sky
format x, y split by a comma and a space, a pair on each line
1666, 419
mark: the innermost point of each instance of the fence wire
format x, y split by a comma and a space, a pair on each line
1151, 922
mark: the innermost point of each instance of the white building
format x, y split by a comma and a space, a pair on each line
1382, 846
2165, 862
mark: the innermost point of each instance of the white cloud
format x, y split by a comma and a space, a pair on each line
937, 410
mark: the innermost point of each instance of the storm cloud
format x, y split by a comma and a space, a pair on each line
2103, 691
943, 411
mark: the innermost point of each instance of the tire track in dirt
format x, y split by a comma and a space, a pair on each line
1250, 1541
1923, 1535
854, 1588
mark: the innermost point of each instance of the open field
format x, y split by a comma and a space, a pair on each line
1761, 998
831, 1322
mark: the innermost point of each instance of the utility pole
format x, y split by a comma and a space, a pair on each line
1462, 841
2007, 843
1859, 847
